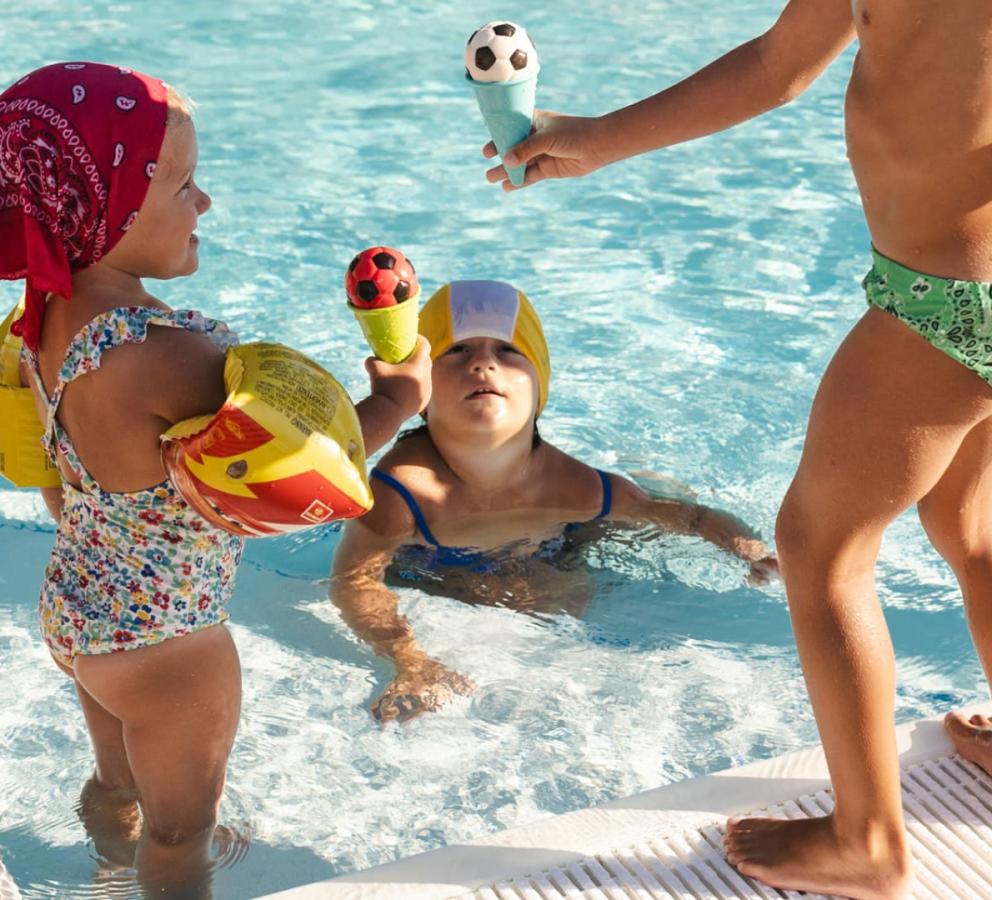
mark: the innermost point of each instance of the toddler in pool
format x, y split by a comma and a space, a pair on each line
477, 504
97, 192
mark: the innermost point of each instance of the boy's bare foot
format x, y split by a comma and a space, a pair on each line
972, 738
807, 855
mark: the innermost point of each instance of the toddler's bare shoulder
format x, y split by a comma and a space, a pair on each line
564, 468
413, 458
175, 373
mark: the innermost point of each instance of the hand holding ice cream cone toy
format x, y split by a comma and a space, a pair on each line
501, 63
383, 293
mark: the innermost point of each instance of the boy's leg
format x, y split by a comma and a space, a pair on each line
888, 419
179, 702
956, 517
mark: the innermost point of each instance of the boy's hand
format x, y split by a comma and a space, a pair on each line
558, 147
397, 392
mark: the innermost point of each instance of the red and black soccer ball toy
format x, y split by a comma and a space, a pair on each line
378, 277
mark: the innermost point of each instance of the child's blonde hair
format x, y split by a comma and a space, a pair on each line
180, 108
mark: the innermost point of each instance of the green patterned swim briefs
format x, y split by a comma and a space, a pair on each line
955, 316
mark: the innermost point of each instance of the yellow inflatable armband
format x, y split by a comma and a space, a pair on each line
284, 452
22, 458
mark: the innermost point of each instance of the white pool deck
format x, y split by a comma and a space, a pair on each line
666, 842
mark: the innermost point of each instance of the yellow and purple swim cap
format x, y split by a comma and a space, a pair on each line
493, 309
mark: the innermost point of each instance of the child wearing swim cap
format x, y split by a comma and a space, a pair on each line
98, 192
479, 501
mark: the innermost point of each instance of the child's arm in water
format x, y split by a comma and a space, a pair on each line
759, 75
632, 504
369, 608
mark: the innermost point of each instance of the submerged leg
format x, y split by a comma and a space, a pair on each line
179, 703
888, 419
108, 802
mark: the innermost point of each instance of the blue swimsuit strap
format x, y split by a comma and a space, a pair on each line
607, 494
422, 526
418, 516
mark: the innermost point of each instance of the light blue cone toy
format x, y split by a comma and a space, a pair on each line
501, 64
508, 108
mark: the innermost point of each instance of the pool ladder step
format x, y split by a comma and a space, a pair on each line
948, 805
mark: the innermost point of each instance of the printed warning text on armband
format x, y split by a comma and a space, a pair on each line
301, 394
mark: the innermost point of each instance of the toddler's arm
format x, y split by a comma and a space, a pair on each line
191, 383
53, 500
632, 504
751, 79
370, 609
51, 495
397, 392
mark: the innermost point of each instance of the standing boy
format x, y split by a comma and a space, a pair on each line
903, 414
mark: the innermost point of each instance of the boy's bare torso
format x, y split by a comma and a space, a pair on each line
919, 132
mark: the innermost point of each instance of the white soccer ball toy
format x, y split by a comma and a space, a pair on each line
501, 51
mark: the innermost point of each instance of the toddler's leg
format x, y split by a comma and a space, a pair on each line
888, 419
108, 804
956, 516
113, 772
179, 702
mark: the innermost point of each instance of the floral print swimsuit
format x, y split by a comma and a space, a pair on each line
129, 569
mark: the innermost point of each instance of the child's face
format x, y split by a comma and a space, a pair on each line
484, 384
161, 243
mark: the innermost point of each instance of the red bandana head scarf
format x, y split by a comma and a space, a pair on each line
78, 147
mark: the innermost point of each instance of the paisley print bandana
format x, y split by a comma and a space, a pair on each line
78, 147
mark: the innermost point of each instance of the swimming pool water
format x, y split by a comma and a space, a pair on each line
691, 300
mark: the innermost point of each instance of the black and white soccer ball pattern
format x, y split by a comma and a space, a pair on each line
501, 51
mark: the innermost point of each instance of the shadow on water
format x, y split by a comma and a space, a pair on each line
637, 602
273, 605
644, 615
305, 554
242, 868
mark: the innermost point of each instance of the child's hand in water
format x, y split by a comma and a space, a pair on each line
762, 564
763, 570
397, 392
421, 685
559, 147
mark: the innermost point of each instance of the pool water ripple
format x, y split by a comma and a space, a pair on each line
691, 298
